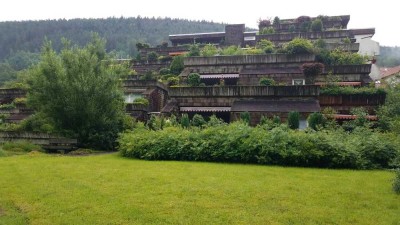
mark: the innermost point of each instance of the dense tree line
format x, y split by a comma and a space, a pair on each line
121, 34
389, 56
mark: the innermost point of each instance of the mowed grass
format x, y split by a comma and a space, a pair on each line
109, 189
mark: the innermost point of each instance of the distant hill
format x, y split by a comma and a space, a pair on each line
121, 34
389, 56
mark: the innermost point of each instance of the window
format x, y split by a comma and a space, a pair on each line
250, 38
298, 82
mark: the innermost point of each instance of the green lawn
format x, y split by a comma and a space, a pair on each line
109, 189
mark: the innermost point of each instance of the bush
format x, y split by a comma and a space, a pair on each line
348, 90
267, 81
141, 101
149, 75
316, 120
396, 182
194, 50
294, 120
299, 46
3, 153
209, 50
152, 57
38, 122
266, 45
238, 142
7, 106
267, 30
185, 122
194, 79
177, 65
311, 71
253, 51
215, 121
198, 120
19, 101
320, 43
164, 71
276, 21
340, 57
173, 81
305, 26
317, 25
245, 117
276, 120
232, 50
20, 147
165, 59
156, 122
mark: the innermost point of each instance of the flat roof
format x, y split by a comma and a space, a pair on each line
196, 34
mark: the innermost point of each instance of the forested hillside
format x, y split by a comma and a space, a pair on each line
389, 57
121, 33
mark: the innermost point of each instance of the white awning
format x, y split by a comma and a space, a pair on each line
219, 76
205, 109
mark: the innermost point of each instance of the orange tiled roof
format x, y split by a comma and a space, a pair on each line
385, 72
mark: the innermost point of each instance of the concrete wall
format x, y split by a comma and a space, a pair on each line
367, 45
245, 91
234, 34
328, 36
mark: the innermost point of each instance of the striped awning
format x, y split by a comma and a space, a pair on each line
340, 83
205, 109
219, 76
352, 117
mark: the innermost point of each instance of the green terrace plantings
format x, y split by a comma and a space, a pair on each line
18, 148
141, 101
347, 90
238, 142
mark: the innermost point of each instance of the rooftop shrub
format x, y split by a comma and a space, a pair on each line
317, 25
194, 79
299, 46
348, 90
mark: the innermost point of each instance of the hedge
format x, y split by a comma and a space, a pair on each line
239, 143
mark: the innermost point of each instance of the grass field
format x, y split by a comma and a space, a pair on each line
109, 189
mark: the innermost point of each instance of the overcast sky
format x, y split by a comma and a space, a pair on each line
383, 14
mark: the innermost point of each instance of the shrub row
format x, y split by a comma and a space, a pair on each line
237, 142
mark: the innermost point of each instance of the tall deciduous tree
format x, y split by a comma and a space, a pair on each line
79, 92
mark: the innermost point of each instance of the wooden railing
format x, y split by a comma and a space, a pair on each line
348, 69
47, 141
245, 91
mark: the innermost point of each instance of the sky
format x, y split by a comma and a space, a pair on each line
381, 15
